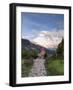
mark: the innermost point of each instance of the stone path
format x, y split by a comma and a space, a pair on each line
38, 68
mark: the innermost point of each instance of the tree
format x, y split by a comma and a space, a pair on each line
60, 49
34, 53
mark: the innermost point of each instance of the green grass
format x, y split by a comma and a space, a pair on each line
26, 67
27, 61
54, 66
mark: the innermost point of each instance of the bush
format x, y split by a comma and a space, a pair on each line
60, 49
27, 60
34, 54
26, 54
26, 67
55, 67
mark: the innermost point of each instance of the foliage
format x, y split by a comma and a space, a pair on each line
26, 67
54, 67
27, 61
34, 53
60, 49
28, 54
55, 64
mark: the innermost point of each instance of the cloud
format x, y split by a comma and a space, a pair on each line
49, 39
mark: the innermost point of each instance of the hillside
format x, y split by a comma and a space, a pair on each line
26, 44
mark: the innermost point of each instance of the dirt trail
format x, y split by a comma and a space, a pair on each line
38, 68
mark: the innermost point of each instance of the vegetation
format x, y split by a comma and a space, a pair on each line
27, 60
27, 54
34, 53
60, 49
26, 67
55, 64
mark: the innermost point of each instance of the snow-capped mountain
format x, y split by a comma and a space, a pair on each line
49, 39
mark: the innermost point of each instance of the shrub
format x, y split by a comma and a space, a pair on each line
26, 67
55, 67
26, 53
60, 49
34, 54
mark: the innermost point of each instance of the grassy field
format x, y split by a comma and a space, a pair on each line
54, 66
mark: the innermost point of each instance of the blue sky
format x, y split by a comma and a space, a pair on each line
31, 23
34, 23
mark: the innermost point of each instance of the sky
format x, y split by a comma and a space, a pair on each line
45, 29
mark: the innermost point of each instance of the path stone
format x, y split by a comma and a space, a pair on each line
38, 68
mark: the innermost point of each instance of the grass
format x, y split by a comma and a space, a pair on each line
26, 67
54, 66
27, 61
